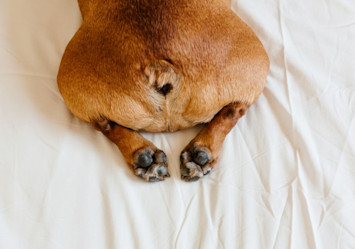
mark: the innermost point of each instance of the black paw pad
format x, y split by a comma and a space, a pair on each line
162, 171
145, 160
200, 157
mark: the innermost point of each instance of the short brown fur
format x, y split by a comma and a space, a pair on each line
125, 52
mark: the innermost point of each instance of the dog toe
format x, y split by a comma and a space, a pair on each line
145, 160
191, 171
200, 157
162, 171
160, 157
143, 157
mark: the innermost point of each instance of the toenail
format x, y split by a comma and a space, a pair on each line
194, 179
185, 171
144, 160
154, 179
208, 171
200, 158
140, 172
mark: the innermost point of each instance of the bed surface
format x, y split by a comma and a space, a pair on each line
286, 173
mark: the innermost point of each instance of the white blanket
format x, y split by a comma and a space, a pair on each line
285, 177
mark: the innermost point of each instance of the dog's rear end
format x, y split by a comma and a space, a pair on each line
162, 66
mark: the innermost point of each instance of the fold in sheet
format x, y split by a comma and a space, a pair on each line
285, 176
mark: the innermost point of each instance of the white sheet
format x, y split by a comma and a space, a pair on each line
285, 178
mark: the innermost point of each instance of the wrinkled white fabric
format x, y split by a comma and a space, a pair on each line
286, 173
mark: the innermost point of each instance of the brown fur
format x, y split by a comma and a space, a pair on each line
125, 52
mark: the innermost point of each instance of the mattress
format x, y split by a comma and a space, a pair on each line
286, 173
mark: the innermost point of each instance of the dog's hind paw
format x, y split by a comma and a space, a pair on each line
150, 165
195, 162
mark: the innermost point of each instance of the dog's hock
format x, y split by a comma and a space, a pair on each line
162, 77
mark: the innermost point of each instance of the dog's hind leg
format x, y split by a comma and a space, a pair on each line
200, 155
145, 159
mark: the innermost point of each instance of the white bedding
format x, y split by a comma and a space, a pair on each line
286, 174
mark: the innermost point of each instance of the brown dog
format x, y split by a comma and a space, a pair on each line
160, 65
